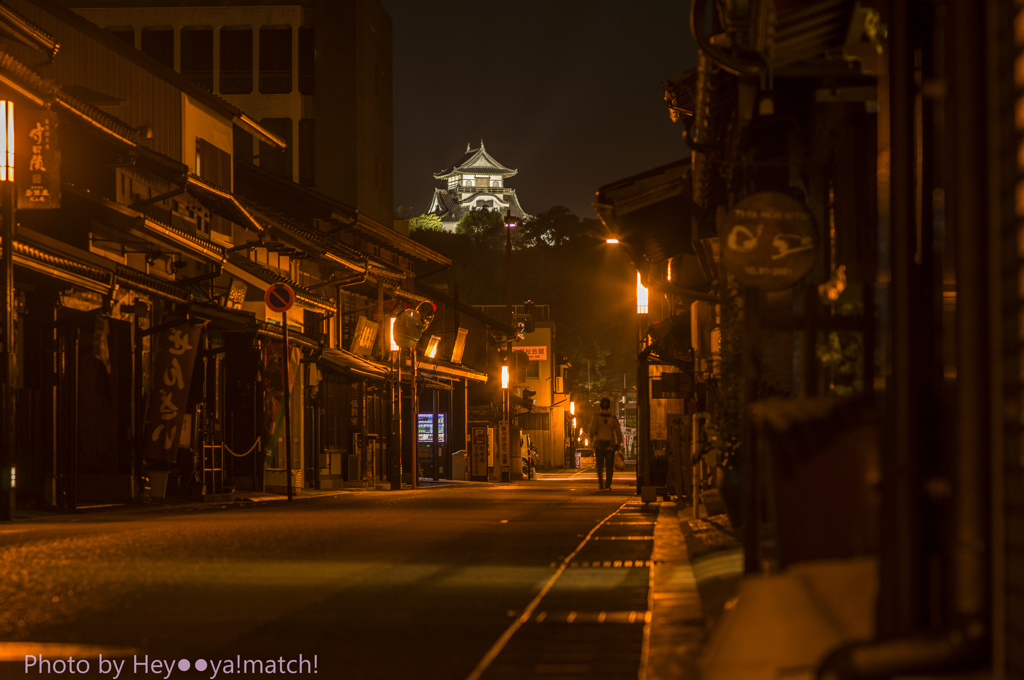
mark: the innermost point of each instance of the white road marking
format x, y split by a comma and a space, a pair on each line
496, 648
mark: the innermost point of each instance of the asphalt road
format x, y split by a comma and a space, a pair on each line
453, 582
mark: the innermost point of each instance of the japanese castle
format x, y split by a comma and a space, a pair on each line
476, 182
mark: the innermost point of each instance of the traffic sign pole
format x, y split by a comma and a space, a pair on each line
287, 410
279, 298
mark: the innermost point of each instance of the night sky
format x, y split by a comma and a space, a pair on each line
568, 93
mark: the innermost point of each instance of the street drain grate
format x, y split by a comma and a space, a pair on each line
593, 617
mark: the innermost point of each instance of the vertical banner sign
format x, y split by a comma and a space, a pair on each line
36, 159
478, 464
174, 356
273, 395
504, 446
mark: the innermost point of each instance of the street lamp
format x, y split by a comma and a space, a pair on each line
643, 470
7, 460
641, 296
572, 408
611, 240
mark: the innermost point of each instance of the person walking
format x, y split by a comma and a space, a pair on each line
607, 436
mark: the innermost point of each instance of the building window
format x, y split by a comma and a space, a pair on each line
158, 42
236, 60
276, 60
197, 56
307, 152
125, 34
533, 369
273, 159
307, 59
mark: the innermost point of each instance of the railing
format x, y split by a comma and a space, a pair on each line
540, 312
489, 190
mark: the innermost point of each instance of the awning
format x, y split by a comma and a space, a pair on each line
17, 27
347, 362
650, 213
222, 202
135, 221
262, 277
62, 261
61, 267
252, 127
443, 368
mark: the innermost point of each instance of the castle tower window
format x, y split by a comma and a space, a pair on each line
236, 60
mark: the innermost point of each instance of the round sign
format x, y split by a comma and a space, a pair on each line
768, 241
280, 297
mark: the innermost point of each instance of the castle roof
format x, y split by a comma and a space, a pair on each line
477, 161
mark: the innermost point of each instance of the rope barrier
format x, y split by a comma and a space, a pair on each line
242, 455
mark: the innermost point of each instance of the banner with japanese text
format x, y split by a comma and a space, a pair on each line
273, 397
174, 356
36, 159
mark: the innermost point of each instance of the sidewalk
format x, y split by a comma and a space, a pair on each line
711, 622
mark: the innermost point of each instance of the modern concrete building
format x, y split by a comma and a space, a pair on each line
328, 94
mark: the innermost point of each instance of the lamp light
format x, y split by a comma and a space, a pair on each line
574, 423
611, 240
432, 344
6, 141
641, 296
504, 377
572, 408
394, 347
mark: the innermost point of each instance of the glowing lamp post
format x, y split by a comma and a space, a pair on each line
641, 296
7, 462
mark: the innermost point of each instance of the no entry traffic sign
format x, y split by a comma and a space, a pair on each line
280, 297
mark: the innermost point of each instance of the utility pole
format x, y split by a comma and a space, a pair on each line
7, 458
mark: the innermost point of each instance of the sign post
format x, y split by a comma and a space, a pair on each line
279, 298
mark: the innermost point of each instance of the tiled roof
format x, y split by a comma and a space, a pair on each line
270, 276
47, 91
477, 161
450, 210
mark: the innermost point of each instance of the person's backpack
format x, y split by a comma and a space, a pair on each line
605, 427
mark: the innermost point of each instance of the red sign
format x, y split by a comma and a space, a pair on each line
280, 297
175, 355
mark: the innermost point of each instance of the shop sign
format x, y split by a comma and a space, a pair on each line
364, 337
504, 446
174, 357
36, 159
768, 241
478, 463
535, 353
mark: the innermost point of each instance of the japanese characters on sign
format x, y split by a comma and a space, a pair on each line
174, 357
768, 241
364, 337
504, 446
37, 159
535, 353
478, 462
